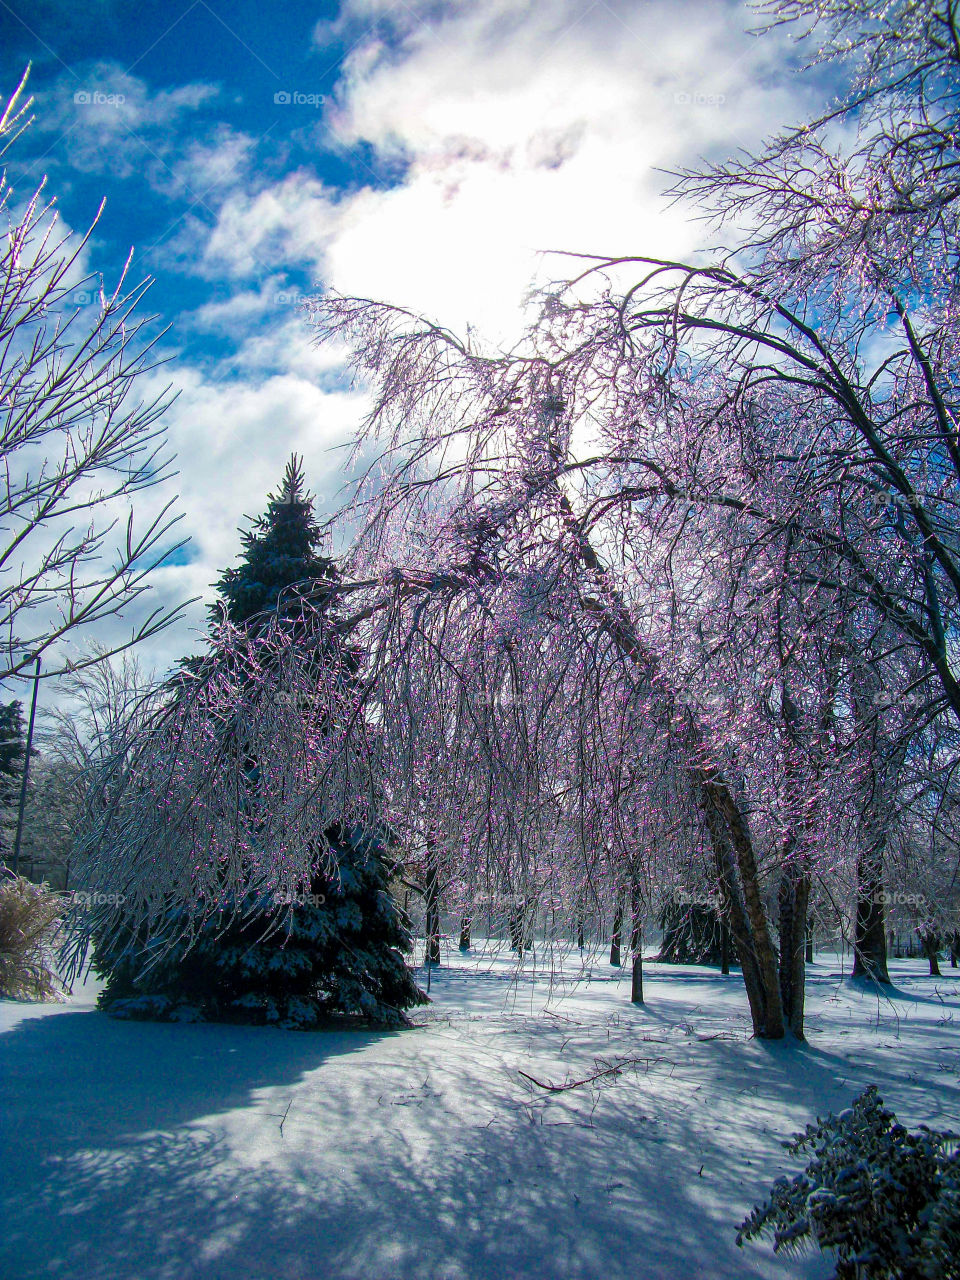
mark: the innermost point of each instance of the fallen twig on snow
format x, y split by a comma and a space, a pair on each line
615, 1070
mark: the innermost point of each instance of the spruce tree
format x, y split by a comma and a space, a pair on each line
13, 750
339, 948
280, 550
338, 951
693, 933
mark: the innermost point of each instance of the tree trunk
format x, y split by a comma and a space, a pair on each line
869, 932
516, 930
869, 935
465, 923
636, 918
793, 896
617, 935
432, 921
930, 941
733, 851
809, 943
581, 921
636, 943
636, 980
529, 923
727, 826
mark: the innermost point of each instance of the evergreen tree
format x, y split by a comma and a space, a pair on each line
338, 952
693, 933
339, 948
13, 750
280, 549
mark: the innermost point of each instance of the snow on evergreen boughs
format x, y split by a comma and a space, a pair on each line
339, 950
887, 1201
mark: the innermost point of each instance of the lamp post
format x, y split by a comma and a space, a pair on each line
26, 768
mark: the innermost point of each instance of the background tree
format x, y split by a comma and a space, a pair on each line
13, 750
99, 708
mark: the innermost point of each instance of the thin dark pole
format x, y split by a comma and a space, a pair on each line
26, 769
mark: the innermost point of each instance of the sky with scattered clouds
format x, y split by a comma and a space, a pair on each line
425, 152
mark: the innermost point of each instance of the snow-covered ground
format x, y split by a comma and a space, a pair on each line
138, 1151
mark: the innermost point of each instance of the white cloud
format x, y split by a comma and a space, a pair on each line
232, 439
113, 122
215, 165
529, 128
519, 128
288, 224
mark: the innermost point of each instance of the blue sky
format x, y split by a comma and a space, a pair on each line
424, 153
165, 109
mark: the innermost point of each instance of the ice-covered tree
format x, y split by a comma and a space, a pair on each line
232, 777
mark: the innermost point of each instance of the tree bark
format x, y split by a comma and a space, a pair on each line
869, 934
432, 921
529, 922
728, 828
616, 937
516, 929
794, 894
636, 980
930, 942
465, 923
636, 917
733, 851
636, 942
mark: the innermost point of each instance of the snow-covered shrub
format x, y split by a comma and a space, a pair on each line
29, 914
885, 1200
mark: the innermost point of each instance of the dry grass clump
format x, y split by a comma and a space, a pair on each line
29, 914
